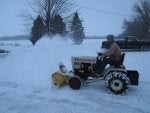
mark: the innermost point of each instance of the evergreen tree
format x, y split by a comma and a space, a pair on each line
76, 29
58, 26
37, 30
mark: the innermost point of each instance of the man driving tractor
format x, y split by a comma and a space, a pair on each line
112, 56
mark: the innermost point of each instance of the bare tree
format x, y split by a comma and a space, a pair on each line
49, 8
142, 10
134, 27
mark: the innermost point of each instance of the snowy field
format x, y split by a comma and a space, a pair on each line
25, 80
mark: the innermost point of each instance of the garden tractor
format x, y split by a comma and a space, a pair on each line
117, 78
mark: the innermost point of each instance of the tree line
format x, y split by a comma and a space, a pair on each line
55, 17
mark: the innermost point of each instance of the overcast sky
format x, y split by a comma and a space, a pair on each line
100, 17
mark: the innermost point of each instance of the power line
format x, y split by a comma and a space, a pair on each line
103, 11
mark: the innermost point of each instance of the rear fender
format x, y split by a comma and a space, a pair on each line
112, 69
133, 76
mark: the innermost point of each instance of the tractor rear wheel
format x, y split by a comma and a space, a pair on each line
117, 82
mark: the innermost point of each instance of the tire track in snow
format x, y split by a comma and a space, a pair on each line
70, 106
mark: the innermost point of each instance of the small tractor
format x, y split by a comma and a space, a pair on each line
117, 77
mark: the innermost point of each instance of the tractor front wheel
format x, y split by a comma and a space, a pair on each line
75, 82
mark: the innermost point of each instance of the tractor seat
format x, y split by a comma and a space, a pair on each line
120, 63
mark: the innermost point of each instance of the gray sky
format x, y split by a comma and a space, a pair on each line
99, 16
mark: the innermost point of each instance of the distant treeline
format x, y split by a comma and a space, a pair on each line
95, 37
26, 37
18, 37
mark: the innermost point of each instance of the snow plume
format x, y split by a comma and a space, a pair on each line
56, 49
53, 40
60, 49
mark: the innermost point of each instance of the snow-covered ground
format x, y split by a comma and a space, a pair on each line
25, 80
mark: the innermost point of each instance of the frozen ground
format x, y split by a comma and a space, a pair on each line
25, 80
